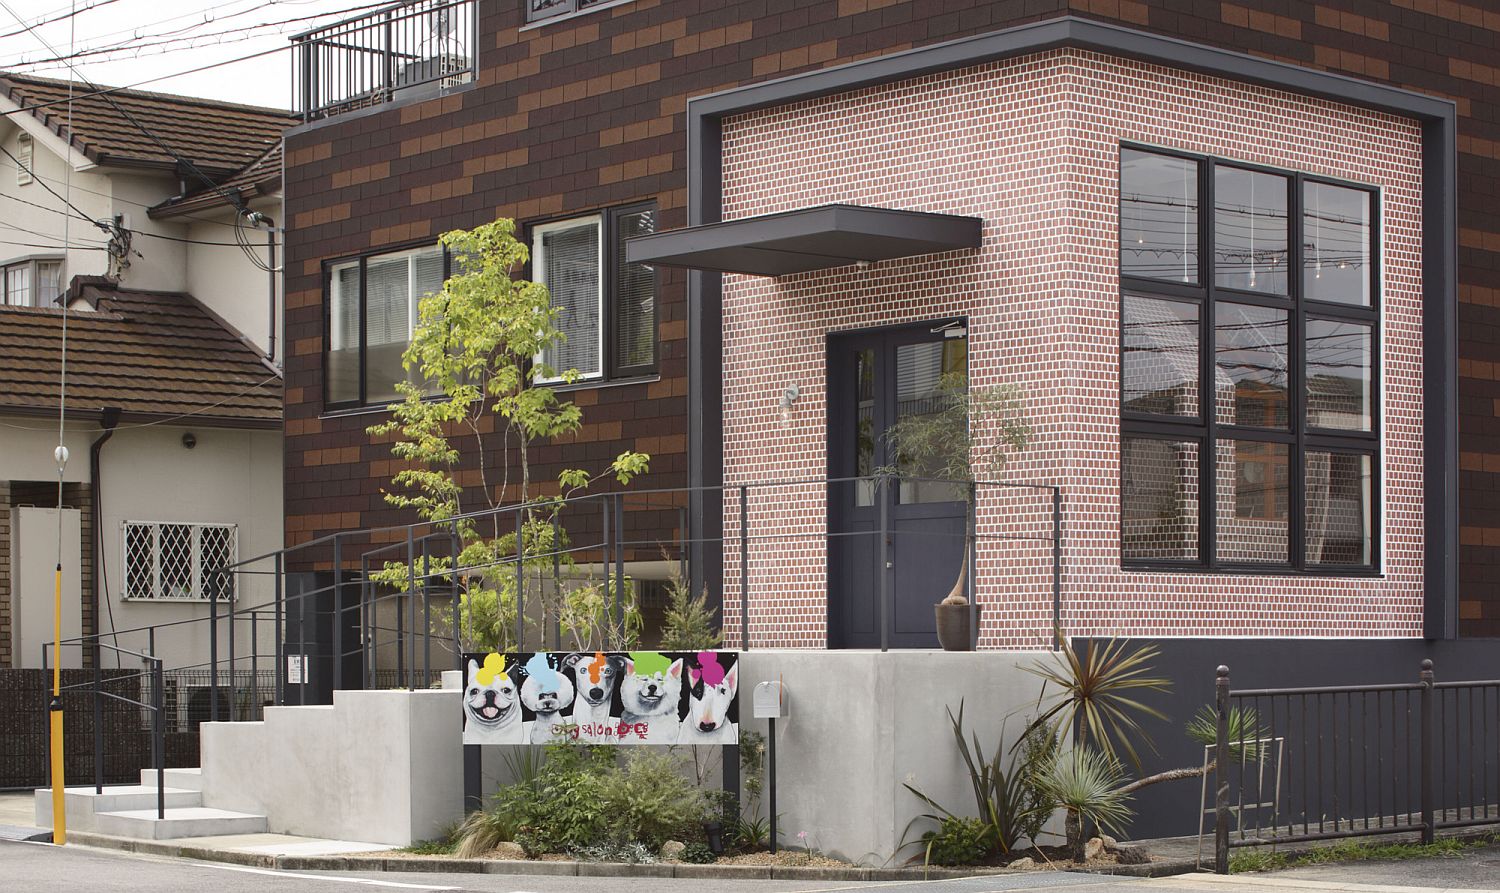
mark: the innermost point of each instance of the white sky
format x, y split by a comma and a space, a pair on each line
207, 32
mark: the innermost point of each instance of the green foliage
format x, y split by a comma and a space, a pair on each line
1247, 860
475, 346
1245, 731
630, 852
1243, 861
970, 438
959, 841
748, 833
1006, 798
1038, 749
581, 797
1088, 784
698, 853
688, 624
443, 845
1095, 695
649, 800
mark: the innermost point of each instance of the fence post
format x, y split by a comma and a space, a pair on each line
971, 564
98, 720
338, 616
159, 734
520, 581
233, 664
280, 695
454, 548
1429, 825
1056, 568
885, 563
1221, 771
213, 653
744, 568
620, 541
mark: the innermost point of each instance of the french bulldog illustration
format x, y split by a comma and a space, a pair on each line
492, 713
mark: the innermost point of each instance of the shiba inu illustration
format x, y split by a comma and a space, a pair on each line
650, 691
595, 677
546, 693
492, 713
711, 692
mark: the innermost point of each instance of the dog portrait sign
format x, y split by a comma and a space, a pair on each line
601, 697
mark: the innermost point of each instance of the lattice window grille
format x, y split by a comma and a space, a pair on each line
170, 561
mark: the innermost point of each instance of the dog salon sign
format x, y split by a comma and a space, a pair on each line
603, 697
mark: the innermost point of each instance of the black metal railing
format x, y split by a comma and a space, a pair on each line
405, 49
381, 607
150, 689
1306, 764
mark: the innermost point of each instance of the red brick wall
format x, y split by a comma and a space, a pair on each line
1031, 147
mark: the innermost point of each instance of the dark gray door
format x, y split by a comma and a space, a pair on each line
876, 379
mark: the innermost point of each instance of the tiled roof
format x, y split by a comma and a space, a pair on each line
151, 354
217, 137
260, 177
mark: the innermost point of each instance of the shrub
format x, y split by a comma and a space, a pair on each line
698, 853
559, 810
651, 801
1089, 785
688, 624
959, 841
479, 833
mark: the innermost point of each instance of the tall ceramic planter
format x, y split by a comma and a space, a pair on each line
953, 630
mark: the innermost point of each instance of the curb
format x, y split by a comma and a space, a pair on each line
590, 869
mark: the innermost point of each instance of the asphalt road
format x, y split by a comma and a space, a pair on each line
36, 868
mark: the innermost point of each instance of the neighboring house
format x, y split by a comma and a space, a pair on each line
130, 209
1122, 225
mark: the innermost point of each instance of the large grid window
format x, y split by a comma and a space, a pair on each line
606, 307
372, 313
176, 562
1249, 379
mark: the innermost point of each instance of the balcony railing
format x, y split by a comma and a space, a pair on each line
418, 48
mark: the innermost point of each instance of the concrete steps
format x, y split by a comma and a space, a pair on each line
188, 821
130, 810
84, 805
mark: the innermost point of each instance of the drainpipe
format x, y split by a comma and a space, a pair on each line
108, 419
256, 218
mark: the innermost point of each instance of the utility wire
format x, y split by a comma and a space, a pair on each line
57, 16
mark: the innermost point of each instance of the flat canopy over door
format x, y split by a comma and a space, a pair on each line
807, 239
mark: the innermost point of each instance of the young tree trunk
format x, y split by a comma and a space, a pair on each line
1073, 828
1169, 775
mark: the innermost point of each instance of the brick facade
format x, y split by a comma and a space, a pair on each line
1032, 148
585, 113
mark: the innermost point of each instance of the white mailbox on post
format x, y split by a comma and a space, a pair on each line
770, 700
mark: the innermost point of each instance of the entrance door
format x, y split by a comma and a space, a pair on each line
877, 380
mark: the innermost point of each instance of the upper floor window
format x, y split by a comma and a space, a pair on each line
372, 313
606, 307
35, 282
539, 10
1249, 374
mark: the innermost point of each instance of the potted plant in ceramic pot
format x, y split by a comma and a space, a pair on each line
968, 436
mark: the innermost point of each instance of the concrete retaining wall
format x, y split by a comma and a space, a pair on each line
386, 767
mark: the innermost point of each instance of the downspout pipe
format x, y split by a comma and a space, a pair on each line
108, 419
271, 283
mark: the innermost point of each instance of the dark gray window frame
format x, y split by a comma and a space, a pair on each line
614, 255
362, 259
1300, 438
1438, 120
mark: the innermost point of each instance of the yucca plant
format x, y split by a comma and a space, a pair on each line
1246, 743
1087, 783
1093, 696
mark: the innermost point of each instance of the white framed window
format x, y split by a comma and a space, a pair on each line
175, 561
372, 312
33, 282
568, 257
24, 155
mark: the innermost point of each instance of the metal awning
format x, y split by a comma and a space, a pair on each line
806, 239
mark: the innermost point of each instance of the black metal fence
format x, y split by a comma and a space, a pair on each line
1305, 764
371, 59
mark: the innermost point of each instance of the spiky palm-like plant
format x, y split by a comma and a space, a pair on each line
1093, 696
1088, 784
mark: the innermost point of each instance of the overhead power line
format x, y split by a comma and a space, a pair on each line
56, 16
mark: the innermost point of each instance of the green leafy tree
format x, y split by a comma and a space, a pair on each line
475, 380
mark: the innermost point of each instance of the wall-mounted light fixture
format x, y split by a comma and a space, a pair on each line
788, 397
189, 440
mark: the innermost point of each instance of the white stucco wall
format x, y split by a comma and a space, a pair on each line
242, 298
231, 476
23, 222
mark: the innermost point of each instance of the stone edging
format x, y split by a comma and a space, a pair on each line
437, 865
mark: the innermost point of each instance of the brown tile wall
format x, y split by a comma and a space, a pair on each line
586, 113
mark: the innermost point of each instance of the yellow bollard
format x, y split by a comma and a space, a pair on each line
59, 810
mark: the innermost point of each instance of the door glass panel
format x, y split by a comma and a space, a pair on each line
932, 386
864, 426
